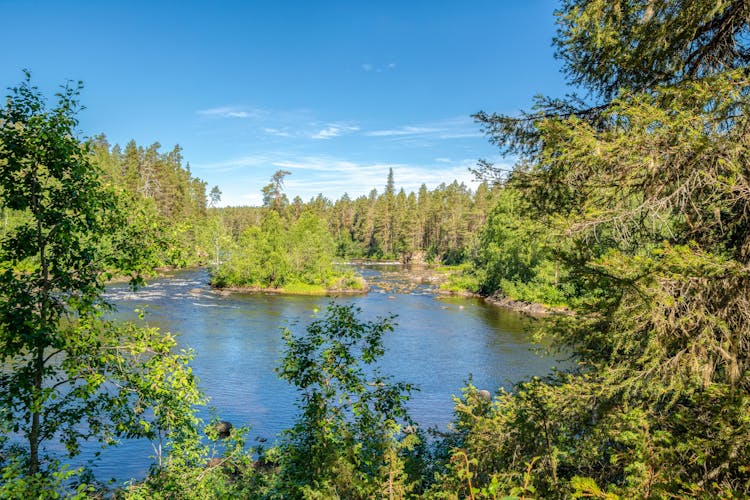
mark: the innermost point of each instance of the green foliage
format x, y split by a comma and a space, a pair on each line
273, 193
272, 255
68, 375
53, 483
260, 258
310, 251
346, 442
460, 279
676, 40
633, 211
645, 202
214, 196
514, 256
199, 469
161, 197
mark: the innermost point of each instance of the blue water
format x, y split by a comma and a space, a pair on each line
237, 341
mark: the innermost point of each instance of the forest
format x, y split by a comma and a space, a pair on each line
627, 212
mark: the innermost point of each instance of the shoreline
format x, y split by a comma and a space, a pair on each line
532, 309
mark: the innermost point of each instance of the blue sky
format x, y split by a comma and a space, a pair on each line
337, 92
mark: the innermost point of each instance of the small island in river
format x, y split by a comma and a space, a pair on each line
345, 285
294, 259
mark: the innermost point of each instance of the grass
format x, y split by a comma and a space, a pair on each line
303, 289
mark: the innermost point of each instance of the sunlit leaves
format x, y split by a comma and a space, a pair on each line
68, 374
347, 434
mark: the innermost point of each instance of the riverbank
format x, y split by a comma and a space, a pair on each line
441, 276
530, 308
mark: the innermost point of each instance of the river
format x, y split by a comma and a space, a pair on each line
437, 343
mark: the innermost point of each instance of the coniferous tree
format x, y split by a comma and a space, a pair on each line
273, 193
642, 191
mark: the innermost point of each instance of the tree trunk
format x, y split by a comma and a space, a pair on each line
36, 411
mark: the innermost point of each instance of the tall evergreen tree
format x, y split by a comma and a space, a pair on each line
644, 192
273, 193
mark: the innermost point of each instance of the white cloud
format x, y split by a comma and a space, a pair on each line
327, 133
293, 123
334, 131
277, 132
407, 130
334, 176
231, 112
240, 163
460, 127
367, 67
303, 164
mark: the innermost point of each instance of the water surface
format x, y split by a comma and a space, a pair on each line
437, 343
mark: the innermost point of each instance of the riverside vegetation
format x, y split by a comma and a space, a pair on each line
628, 205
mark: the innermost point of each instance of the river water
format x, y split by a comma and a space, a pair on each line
437, 343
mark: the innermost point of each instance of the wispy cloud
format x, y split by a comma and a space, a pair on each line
231, 112
334, 131
407, 130
239, 163
294, 123
277, 132
450, 128
333, 176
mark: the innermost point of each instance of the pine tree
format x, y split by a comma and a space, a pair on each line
644, 195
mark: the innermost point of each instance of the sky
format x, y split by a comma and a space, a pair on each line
335, 92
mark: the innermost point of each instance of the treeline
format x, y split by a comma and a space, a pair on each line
282, 242
186, 228
159, 193
438, 225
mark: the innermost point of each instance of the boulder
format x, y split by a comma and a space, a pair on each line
223, 429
